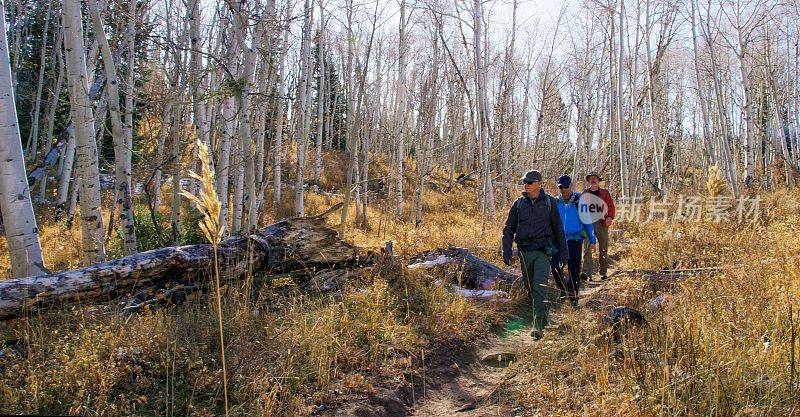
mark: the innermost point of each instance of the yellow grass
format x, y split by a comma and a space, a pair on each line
285, 349
724, 344
704, 353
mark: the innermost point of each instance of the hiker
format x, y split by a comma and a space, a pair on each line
574, 231
600, 226
534, 224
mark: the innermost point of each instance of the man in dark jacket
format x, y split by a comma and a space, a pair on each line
601, 225
535, 225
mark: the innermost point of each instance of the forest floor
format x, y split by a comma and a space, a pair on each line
476, 388
479, 379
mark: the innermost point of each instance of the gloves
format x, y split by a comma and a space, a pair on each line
506, 258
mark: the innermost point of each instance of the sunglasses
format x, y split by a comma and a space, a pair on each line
529, 182
562, 187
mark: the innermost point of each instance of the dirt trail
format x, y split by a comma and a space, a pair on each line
469, 391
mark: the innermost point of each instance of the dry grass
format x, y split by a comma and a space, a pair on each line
705, 352
285, 349
284, 352
724, 344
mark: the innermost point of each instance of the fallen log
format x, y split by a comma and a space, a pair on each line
466, 269
294, 244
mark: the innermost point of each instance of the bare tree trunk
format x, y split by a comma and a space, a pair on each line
321, 102
400, 110
506, 96
744, 73
124, 189
278, 152
304, 109
86, 148
162, 140
487, 189
351, 147
19, 221
246, 74
202, 129
238, 187
33, 139
778, 112
67, 163
623, 154
17, 13
175, 134
51, 116
721, 112
122, 153
700, 92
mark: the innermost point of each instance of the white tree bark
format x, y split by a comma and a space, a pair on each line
86, 148
487, 190
742, 38
122, 153
19, 221
175, 214
623, 148
281, 117
33, 139
67, 164
228, 115
400, 110
304, 110
201, 122
245, 81
321, 101
701, 98
124, 191
721, 113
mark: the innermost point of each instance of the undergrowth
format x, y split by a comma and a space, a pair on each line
288, 350
723, 342
720, 343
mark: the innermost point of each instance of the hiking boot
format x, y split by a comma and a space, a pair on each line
603, 277
584, 276
537, 334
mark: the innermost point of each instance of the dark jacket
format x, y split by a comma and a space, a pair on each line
530, 225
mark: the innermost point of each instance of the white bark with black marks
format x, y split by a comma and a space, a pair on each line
19, 221
93, 230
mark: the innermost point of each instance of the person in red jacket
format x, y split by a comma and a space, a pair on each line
601, 226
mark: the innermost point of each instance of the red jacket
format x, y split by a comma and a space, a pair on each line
605, 195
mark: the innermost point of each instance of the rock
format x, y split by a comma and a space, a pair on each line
621, 318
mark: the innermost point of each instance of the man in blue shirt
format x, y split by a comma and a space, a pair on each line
574, 231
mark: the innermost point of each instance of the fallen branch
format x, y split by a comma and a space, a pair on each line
295, 244
465, 268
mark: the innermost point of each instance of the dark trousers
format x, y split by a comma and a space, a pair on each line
569, 285
602, 243
534, 269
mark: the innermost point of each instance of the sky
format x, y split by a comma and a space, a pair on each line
529, 12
